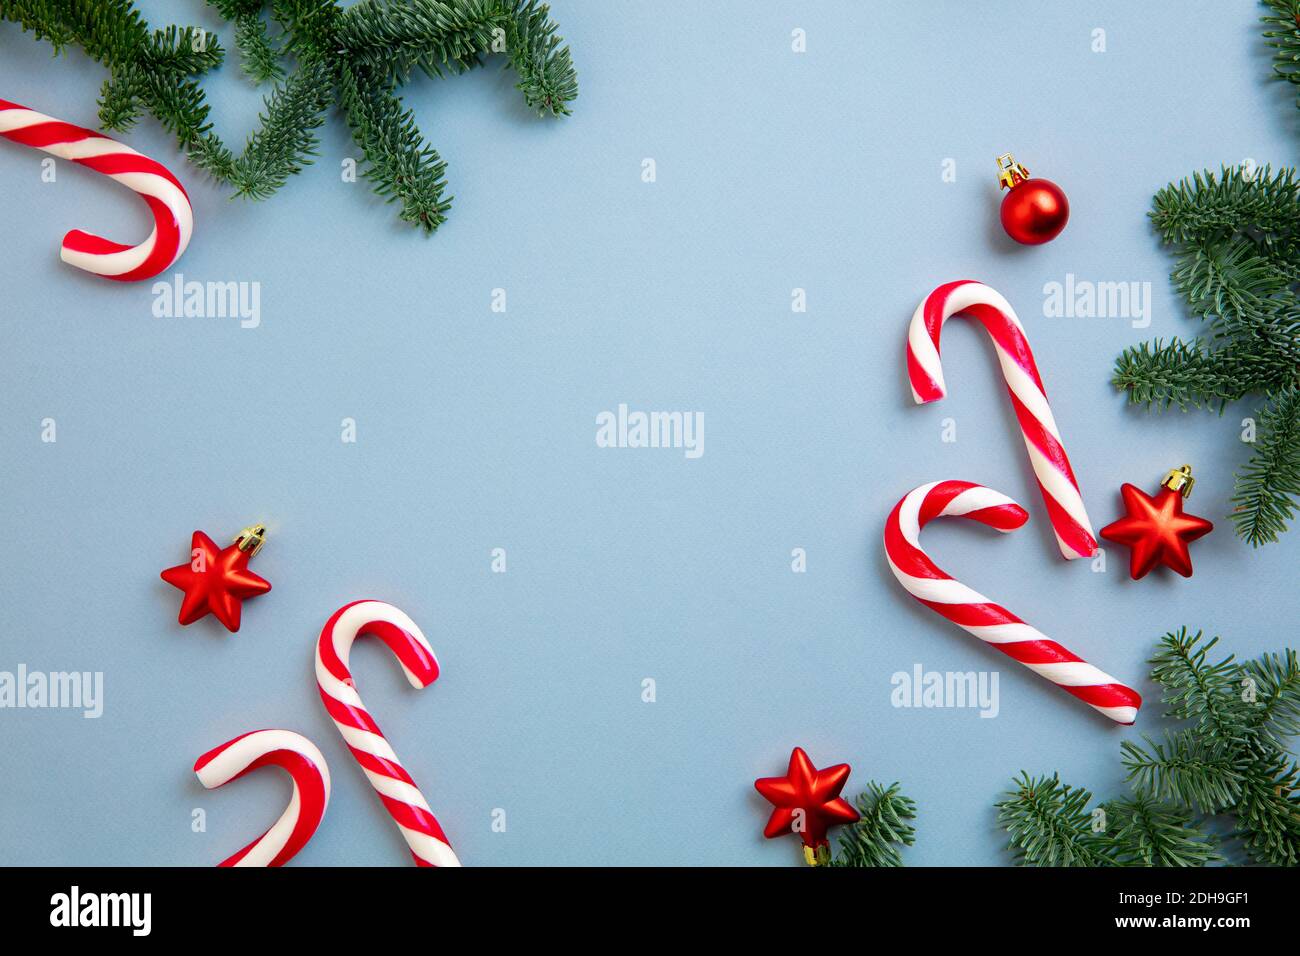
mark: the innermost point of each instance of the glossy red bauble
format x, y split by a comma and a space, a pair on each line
1035, 211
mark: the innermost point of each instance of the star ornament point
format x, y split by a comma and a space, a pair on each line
806, 800
1157, 530
215, 580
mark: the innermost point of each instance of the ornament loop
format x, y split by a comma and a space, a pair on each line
1010, 172
821, 856
251, 539
1179, 480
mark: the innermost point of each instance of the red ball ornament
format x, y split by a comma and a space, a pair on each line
1157, 529
1035, 210
216, 579
807, 801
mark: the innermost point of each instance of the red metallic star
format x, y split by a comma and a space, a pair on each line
1157, 530
807, 801
216, 579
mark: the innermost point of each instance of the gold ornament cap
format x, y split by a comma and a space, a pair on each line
1010, 172
251, 539
1179, 480
818, 857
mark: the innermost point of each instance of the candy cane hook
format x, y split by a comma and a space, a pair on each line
400, 796
1042, 439
311, 789
166, 197
975, 613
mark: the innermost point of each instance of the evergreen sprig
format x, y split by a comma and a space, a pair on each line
1147, 832
149, 70
1277, 690
883, 827
260, 57
354, 58
1227, 755
1050, 825
1283, 35
1231, 755
1267, 489
1235, 237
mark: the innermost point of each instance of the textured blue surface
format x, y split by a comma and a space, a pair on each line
476, 430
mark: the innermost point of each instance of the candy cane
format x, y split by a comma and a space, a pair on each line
311, 789
167, 199
1042, 440
403, 800
975, 613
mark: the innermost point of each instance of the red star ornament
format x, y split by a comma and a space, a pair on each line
1157, 529
216, 579
807, 801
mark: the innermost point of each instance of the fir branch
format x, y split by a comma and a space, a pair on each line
259, 56
285, 140
147, 70
1219, 278
1199, 690
1263, 354
1284, 36
1236, 242
403, 167
309, 25
1147, 832
1227, 757
212, 156
119, 102
110, 31
1206, 207
883, 825
1266, 489
1276, 698
1049, 825
1177, 374
392, 39
1268, 814
182, 51
1188, 768
352, 57
546, 75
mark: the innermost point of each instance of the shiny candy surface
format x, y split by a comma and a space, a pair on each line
977, 614
169, 204
301, 759
338, 692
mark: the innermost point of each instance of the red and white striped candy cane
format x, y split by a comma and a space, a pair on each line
403, 800
167, 199
311, 789
1042, 440
975, 613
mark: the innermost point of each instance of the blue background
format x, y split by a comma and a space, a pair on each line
476, 431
